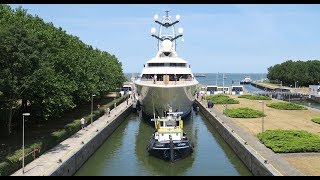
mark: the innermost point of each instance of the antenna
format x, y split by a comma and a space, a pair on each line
167, 13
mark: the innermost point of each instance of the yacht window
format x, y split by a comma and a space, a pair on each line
156, 64
167, 64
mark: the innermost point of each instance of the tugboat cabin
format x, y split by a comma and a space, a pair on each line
171, 126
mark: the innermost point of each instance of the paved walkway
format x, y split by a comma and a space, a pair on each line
48, 161
276, 161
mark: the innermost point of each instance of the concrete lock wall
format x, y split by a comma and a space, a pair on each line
76, 159
254, 163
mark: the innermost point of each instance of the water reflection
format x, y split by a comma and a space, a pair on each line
124, 153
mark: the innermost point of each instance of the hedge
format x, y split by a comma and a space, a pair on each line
222, 99
286, 106
254, 97
290, 141
316, 120
243, 113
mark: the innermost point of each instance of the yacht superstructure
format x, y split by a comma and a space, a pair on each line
166, 81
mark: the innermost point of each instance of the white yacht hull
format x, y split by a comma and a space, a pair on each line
156, 100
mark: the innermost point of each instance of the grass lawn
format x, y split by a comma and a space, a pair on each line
291, 141
254, 97
316, 120
222, 99
243, 113
286, 106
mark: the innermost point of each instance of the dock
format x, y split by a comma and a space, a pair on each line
260, 160
68, 156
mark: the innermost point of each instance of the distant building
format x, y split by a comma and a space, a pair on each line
237, 90
314, 89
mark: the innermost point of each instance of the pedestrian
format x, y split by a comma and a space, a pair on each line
127, 100
82, 121
210, 103
175, 78
107, 111
98, 106
154, 79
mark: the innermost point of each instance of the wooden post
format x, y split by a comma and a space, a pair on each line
171, 149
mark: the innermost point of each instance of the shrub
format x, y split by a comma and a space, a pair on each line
290, 141
254, 97
286, 106
243, 113
222, 99
316, 120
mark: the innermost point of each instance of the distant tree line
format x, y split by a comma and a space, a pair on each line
46, 71
303, 73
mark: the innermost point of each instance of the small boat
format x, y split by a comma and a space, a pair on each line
169, 142
246, 80
199, 75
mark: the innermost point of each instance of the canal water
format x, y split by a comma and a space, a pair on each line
124, 153
308, 103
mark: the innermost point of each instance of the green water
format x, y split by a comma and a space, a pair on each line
308, 103
124, 153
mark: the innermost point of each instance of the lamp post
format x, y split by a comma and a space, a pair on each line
223, 83
93, 95
290, 92
217, 79
262, 122
23, 115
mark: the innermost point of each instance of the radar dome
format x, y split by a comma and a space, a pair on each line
166, 45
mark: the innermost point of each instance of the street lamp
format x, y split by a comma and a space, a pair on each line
295, 85
262, 122
24, 114
290, 92
223, 82
93, 95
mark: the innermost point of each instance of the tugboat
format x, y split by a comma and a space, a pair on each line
169, 142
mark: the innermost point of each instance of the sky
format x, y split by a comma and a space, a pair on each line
225, 38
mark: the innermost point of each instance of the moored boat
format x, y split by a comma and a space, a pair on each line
246, 80
166, 80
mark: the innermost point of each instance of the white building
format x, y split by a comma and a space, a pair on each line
236, 90
314, 89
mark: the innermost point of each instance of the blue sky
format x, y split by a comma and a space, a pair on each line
239, 38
